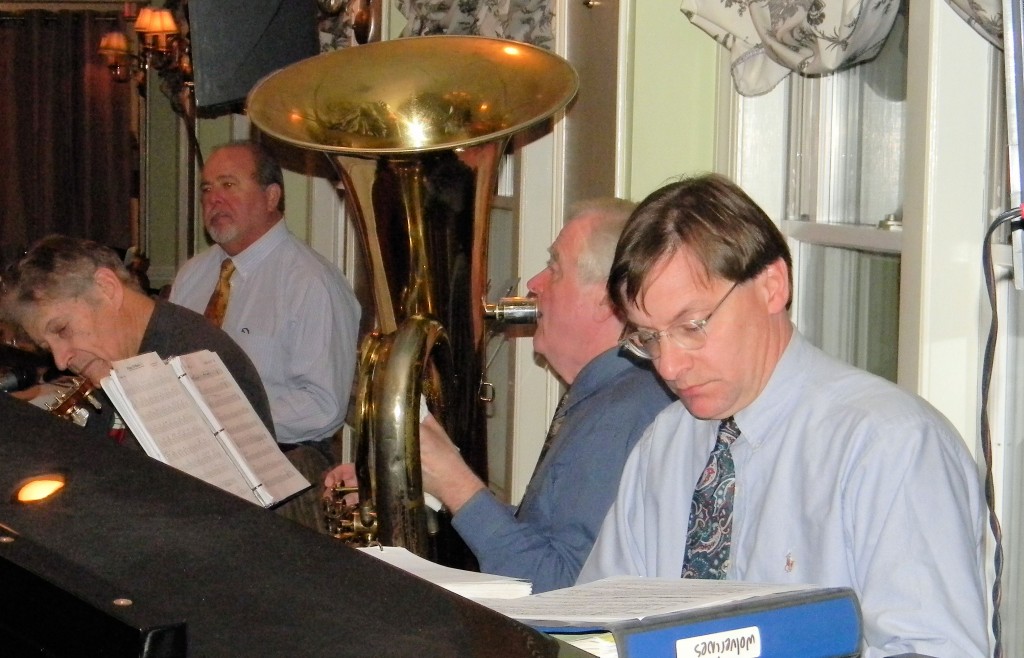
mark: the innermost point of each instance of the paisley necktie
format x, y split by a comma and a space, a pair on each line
710, 531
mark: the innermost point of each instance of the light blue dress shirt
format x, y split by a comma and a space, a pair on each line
842, 479
295, 315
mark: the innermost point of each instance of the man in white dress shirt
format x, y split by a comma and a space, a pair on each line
291, 310
841, 478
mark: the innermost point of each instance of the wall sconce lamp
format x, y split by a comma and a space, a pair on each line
162, 47
117, 53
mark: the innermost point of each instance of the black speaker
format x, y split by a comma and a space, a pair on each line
134, 558
237, 42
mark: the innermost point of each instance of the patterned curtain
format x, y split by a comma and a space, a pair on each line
768, 39
337, 30
985, 16
528, 21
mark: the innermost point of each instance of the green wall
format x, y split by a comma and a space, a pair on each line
161, 200
675, 72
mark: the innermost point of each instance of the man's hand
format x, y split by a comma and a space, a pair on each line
445, 474
343, 475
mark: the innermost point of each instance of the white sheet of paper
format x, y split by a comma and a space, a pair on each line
470, 584
257, 448
162, 407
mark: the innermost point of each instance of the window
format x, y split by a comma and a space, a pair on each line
950, 185
846, 141
838, 195
861, 325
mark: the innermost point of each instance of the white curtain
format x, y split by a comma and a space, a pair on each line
768, 39
985, 16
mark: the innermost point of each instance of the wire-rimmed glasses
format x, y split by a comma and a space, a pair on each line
689, 335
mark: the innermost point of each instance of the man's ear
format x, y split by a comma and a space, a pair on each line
604, 310
775, 283
109, 286
273, 192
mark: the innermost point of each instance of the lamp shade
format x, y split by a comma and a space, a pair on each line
162, 23
114, 45
143, 20
160, 30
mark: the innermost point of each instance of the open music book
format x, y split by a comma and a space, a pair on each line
190, 413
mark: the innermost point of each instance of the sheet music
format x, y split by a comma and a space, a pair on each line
163, 417
627, 598
255, 448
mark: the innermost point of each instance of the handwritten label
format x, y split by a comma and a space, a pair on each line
739, 643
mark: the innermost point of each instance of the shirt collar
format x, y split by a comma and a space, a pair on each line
249, 258
599, 370
779, 397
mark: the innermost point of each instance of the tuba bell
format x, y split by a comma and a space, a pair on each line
415, 129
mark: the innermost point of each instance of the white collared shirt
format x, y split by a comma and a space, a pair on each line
297, 318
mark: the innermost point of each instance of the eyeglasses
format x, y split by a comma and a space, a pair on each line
689, 335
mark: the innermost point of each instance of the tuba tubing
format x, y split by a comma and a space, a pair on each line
405, 377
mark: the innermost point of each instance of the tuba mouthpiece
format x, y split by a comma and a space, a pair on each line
512, 310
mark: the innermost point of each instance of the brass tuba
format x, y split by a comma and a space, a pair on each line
415, 128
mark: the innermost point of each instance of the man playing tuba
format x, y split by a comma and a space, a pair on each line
610, 401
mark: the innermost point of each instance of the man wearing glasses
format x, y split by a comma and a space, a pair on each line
782, 465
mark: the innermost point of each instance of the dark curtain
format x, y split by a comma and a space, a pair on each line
67, 153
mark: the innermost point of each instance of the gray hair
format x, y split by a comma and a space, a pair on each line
611, 214
54, 268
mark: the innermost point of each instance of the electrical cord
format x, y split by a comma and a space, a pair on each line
1014, 218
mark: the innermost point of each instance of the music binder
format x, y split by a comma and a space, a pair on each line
190, 413
682, 618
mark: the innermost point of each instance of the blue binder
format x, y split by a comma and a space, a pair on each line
820, 623
805, 623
